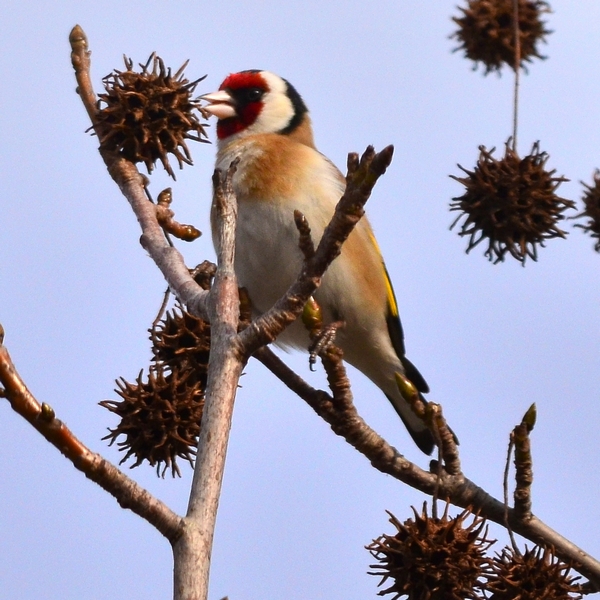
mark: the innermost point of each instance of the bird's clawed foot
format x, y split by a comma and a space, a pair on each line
322, 340
321, 336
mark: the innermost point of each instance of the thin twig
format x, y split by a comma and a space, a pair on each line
133, 186
523, 472
305, 242
506, 520
517, 68
446, 438
162, 309
80, 59
166, 218
126, 491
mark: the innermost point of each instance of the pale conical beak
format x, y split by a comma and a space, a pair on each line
220, 104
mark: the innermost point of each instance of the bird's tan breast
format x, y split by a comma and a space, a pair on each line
274, 167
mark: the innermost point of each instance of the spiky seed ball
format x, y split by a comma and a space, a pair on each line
510, 202
534, 575
433, 559
182, 341
591, 201
149, 114
486, 32
160, 418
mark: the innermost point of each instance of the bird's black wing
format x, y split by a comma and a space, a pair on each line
397, 337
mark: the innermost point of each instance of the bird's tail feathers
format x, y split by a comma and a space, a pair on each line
419, 432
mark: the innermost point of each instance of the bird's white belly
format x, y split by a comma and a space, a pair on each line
268, 260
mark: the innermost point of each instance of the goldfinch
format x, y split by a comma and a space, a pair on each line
263, 122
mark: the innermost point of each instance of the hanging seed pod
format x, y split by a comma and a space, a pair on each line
433, 559
591, 212
534, 575
160, 419
149, 114
182, 342
511, 203
486, 32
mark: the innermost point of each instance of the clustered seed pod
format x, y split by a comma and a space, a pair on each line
181, 342
149, 114
442, 559
534, 575
160, 417
591, 202
486, 32
433, 558
511, 202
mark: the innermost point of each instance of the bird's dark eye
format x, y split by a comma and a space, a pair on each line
253, 94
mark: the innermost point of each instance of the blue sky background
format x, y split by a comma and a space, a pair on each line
77, 292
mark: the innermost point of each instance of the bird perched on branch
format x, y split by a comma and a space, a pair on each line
263, 121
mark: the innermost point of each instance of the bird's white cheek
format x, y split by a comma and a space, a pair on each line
275, 115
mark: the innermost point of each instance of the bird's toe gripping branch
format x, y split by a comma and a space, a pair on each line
322, 337
323, 345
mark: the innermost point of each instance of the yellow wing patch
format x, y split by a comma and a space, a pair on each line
395, 331
389, 290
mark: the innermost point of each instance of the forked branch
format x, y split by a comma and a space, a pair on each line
191, 536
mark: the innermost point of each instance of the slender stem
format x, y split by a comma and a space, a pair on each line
523, 472
506, 521
517, 69
80, 58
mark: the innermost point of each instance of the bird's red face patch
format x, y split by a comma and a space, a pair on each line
246, 89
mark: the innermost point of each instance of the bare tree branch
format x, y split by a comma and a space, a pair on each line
457, 489
192, 548
126, 491
192, 551
132, 185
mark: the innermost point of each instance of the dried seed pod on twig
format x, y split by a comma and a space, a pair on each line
486, 32
433, 558
511, 202
534, 575
591, 211
160, 417
149, 114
